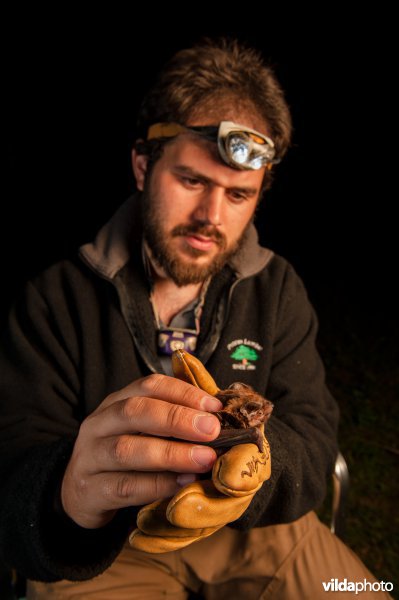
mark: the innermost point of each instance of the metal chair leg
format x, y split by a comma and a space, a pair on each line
340, 493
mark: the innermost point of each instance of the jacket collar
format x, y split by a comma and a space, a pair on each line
110, 250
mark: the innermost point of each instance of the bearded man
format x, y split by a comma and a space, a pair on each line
95, 427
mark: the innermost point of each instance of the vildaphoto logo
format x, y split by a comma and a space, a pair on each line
246, 352
334, 585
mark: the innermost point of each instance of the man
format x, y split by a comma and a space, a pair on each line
89, 407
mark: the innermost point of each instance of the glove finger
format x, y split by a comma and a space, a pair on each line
157, 544
152, 521
242, 469
201, 505
188, 368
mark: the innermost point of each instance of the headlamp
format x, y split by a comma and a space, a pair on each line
240, 147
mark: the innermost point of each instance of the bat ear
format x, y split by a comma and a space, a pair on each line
239, 386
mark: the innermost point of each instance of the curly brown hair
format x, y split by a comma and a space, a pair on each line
207, 78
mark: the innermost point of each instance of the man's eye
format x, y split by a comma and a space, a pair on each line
237, 197
190, 181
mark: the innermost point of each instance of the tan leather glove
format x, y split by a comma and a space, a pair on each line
196, 512
203, 507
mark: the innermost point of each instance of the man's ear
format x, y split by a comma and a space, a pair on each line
139, 165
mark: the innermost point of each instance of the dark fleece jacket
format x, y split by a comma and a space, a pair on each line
85, 328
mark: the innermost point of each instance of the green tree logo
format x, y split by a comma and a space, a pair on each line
244, 353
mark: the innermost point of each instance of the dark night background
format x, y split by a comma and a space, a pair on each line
72, 87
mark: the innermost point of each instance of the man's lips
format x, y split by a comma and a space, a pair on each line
200, 242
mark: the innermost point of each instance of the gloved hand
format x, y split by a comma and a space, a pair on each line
203, 507
196, 512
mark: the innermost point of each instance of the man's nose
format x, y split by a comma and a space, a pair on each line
209, 208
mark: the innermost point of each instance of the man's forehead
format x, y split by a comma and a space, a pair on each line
189, 146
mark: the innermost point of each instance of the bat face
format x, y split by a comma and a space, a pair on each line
243, 407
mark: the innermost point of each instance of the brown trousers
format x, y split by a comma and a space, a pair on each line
282, 562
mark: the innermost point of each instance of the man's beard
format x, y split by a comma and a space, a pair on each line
181, 272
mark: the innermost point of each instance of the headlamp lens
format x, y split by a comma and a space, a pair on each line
238, 149
245, 149
257, 162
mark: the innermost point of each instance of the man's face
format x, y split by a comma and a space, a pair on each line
196, 209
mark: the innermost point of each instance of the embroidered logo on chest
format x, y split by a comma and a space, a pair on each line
244, 353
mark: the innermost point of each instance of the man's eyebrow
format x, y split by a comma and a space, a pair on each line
185, 170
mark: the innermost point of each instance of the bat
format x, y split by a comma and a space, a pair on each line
244, 413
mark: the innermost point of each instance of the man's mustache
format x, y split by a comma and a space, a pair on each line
205, 230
